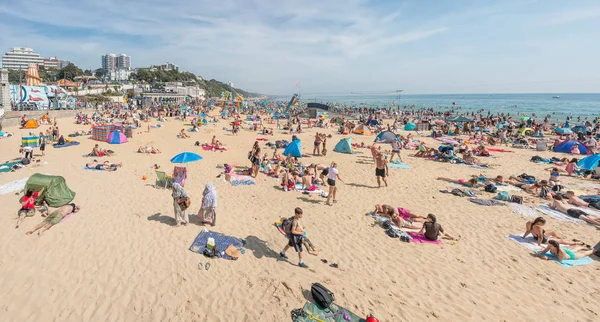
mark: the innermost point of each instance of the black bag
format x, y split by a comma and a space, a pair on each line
491, 188
322, 296
25, 161
516, 199
211, 252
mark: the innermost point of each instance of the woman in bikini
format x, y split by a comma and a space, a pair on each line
469, 183
564, 253
535, 228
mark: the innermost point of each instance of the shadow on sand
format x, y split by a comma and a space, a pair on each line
260, 248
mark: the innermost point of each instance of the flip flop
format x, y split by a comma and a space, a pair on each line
200, 266
207, 266
324, 261
334, 265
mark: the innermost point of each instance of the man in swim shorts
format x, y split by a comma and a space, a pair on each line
54, 218
561, 205
381, 169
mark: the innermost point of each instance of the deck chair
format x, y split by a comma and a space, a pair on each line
180, 175
162, 180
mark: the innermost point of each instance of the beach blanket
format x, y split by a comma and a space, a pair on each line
589, 185
568, 262
525, 211
315, 313
210, 147
448, 140
546, 210
241, 180
14, 186
6, 167
420, 238
65, 145
498, 150
486, 202
398, 166
221, 241
262, 139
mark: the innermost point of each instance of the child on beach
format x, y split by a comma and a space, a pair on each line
295, 235
570, 168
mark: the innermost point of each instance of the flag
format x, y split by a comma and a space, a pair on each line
297, 84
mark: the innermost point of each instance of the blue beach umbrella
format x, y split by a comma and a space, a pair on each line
202, 115
579, 129
186, 157
562, 130
590, 162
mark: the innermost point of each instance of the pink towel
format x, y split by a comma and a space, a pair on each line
416, 238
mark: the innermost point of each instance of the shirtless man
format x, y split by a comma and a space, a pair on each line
183, 135
54, 218
562, 206
381, 170
576, 201
317, 148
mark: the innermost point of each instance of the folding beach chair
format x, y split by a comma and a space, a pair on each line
162, 180
180, 175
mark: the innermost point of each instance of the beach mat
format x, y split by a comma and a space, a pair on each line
315, 313
6, 167
525, 211
398, 166
420, 238
240, 180
221, 241
531, 244
67, 144
14, 186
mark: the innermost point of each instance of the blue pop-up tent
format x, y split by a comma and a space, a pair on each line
590, 162
565, 147
344, 146
293, 149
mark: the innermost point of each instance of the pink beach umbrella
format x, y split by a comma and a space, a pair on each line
116, 137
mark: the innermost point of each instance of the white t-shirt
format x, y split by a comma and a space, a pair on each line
592, 142
332, 173
27, 149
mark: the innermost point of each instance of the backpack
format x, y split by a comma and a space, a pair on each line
503, 195
25, 161
392, 232
287, 225
322, 296
491, 188
516, 199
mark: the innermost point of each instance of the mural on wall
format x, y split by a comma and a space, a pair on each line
40, 95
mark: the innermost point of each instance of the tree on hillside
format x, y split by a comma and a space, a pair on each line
15, 75
99, 73
69, 72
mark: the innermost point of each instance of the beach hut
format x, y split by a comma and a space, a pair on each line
344, 146
56, 192
362, 129
385, 137
410, 127
116, 137
31, 124
567, 146
294, 149
590, 162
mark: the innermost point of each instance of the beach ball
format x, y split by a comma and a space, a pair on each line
144, 178
371, 318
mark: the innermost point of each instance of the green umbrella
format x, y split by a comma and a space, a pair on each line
524, 118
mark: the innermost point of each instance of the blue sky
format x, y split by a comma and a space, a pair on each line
338, 46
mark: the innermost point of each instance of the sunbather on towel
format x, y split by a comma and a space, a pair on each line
403, 213
432, 230
148, 149
561, 205
400, 222
469, 183
535, 228
564, 253
576, 201
54, 218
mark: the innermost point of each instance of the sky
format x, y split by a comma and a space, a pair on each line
336, 47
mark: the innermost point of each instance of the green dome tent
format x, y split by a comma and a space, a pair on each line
56, 192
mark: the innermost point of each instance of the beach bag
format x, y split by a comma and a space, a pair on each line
544, 192
392, 232
457, 192
503, 195
184, 203
197, 143
491, 188
322, 296
210, 252
25, 161
516, 199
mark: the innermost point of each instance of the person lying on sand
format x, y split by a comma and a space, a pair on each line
54, 218
498, 180
473, 183
576, 201
561, 205
183, 135
424, 151
564, 253
432, 230
399, 221
533, 188
106, 166
148, 149
97, 152
403, 213
535, 228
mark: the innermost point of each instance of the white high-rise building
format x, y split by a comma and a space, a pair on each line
123, 62
20, 58
109, 62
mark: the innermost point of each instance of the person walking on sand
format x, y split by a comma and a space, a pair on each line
295, 235
381, 169
180, 204
332, 176
396, 149
209, 204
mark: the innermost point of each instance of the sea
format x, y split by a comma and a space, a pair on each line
558, 106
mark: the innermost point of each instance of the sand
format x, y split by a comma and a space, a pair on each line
121, 258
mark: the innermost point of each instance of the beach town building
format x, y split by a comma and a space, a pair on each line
119, 74
109, 62
51, 62
123, 62
20, 58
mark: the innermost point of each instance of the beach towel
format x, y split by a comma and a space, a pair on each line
210, 147
531, 244
32, 141
241, 180
486, 202
221, 241
314, 313
420, 238
546, 210
569, 263
262, 139
14, 186
315, 190
398, 166
525, 211
72, 143
498, 150
6, 167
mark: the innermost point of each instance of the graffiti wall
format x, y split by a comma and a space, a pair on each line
41, 96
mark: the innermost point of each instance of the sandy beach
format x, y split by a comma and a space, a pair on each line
121, 258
